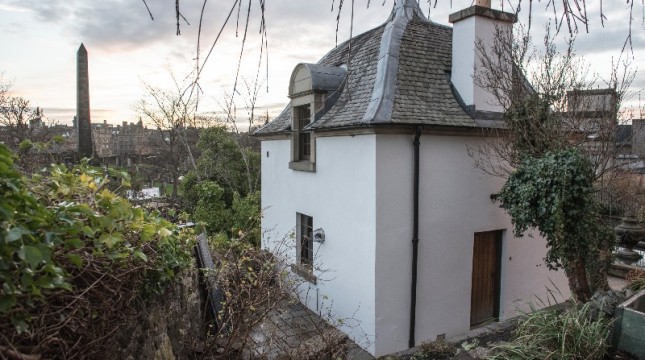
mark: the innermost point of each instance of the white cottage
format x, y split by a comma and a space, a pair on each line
368, 166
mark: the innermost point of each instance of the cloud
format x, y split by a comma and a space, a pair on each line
609, 39
13, 8
47, 11
119, 24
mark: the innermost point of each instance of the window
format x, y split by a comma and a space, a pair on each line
303, 118
304, 138
305, 242
302, 142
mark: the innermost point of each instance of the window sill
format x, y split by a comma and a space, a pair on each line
304, 165
304, 273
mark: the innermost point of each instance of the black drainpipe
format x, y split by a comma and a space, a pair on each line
415, 238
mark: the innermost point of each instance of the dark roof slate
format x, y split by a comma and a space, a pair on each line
353, 101
423, 90
421, 64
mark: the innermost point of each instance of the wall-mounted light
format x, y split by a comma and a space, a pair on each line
319, 235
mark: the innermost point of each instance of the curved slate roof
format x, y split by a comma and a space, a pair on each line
322, 77
398, 74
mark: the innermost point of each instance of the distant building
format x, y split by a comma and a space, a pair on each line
120, 145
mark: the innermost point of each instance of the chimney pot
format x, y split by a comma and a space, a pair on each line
483, 3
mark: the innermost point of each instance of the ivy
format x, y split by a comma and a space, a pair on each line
554, 193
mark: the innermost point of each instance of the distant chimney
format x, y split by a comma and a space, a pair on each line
638, 137
470, 26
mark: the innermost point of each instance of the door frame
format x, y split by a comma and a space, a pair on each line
497, 282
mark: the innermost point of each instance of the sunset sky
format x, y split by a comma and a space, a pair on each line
39, 40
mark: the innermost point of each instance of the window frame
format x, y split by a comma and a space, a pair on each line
302, 114
304, 265
302, 119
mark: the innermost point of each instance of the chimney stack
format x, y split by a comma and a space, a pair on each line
478, 23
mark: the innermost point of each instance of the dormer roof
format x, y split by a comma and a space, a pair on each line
307, 78
397, 74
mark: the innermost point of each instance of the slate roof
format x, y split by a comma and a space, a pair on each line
325, 77
398, 74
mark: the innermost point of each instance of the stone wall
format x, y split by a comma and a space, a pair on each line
168, 328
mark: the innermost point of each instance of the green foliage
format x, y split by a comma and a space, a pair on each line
25, 145
241, 220
553, 193
26, 240
211, 210
190, 190
558, 334
64, 225
245, 218
224, 161
225, 201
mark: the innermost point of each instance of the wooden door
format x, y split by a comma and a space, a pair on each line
484, 298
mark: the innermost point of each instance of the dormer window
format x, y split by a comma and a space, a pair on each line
313, 90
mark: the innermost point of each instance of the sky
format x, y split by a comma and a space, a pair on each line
126, 48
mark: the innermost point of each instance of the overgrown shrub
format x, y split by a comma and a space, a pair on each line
251, 281
258, 291
636, 280
440, 349
558, 334
210, 211
239, 220
75, 259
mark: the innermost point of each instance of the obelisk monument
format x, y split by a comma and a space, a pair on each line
83, 104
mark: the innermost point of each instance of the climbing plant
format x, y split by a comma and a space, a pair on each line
554, 193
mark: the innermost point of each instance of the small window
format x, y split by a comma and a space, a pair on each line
305, 242
303, 118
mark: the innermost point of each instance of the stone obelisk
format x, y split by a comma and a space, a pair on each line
83, 104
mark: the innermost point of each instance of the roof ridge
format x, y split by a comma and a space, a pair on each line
382, 101
409, 7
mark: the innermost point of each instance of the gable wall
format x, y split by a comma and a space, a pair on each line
340, 198
454, 204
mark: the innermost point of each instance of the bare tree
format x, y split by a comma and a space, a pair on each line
22, 129
173, 112
551, 105
550, 101
15, 115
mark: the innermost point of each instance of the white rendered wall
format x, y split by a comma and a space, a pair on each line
465, 59
340, 196
454, 204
